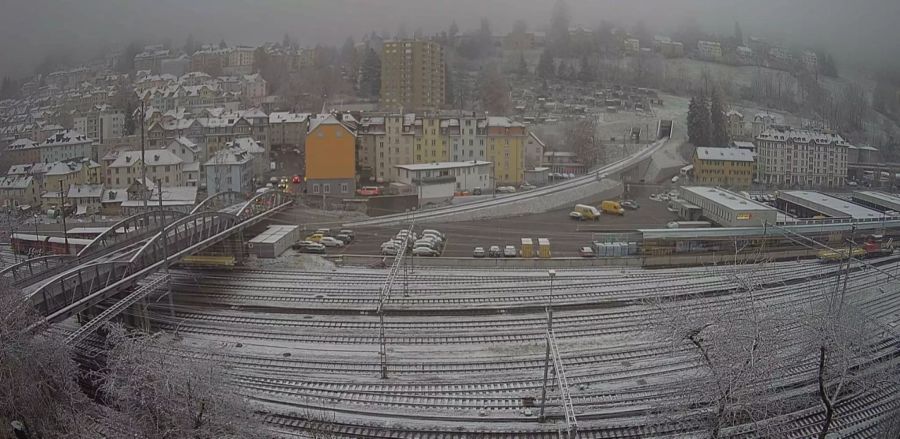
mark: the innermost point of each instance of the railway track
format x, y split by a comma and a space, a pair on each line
459, 372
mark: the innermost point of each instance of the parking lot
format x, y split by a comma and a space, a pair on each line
566, 235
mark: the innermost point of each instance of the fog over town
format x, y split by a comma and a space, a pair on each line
424, 219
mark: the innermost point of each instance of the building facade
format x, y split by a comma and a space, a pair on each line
412, 75
101, 123
68, 145
121, 168
330, 158
726, 167
801, 158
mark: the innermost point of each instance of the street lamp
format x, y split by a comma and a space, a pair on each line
552, 274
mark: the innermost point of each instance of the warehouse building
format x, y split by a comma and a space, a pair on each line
274, 241
879, 201
808, 204
727, 208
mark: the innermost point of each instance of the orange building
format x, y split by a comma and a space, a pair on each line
330, 158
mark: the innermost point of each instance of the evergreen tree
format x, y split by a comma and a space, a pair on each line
718, 121
698, 121
286, 41
738, 34
546, 68
558, 35
222, 44
494, 91
370, 75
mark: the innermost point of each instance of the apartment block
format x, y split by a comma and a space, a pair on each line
801, 158
727, 167
101, 123
412, 75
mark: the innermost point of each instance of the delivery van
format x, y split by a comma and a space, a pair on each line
612, 207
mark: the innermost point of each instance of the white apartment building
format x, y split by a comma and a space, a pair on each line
68, 145
124, 167
710, 50
101, 123
794, 158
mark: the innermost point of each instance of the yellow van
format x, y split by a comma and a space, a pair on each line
315, 237
612, 207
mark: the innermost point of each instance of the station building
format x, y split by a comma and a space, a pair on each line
879, 201
809, 204
727, 208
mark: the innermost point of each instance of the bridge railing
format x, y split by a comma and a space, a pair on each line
90, 284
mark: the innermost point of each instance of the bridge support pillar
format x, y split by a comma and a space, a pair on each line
140, 316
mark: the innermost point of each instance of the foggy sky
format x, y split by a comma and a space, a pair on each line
858, 31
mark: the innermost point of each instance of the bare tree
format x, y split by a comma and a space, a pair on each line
160, 395
844, 342
740, 345
582, 138
38, 386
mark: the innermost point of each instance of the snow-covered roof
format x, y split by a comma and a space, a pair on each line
246, 144
85, 191
803, 136
114, 196
228, 157
67, 137
326, 120
22, 144
728, 154
154, 157
63, 168
16, 182
185, 142
286, 117
442, 165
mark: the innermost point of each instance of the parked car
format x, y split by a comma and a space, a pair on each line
510, 251
527, 187
630, 204
301, 244
428, 244
314, 248
586, 252
476, 191
391, 242
390, 250
345, 238
368, 191
478, 252
315, 237
324, 232
425, 251
495, 251
328, 241
296, 180
348, 232
431, 237
433, 232
576, 216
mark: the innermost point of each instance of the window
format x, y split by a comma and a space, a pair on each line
345, 188
326, 188
315, 188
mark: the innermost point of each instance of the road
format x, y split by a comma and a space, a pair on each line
566, 236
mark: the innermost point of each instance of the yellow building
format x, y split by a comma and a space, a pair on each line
726, 167
412, 75
431, 145
330, 158
506, 150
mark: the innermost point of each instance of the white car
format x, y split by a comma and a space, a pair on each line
329, 241
509, 252
427, 243
390, 251
425, 251
433, 232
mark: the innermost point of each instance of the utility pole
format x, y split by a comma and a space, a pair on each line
165, 243
62, 205
552, 274
143, 159
35, 218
